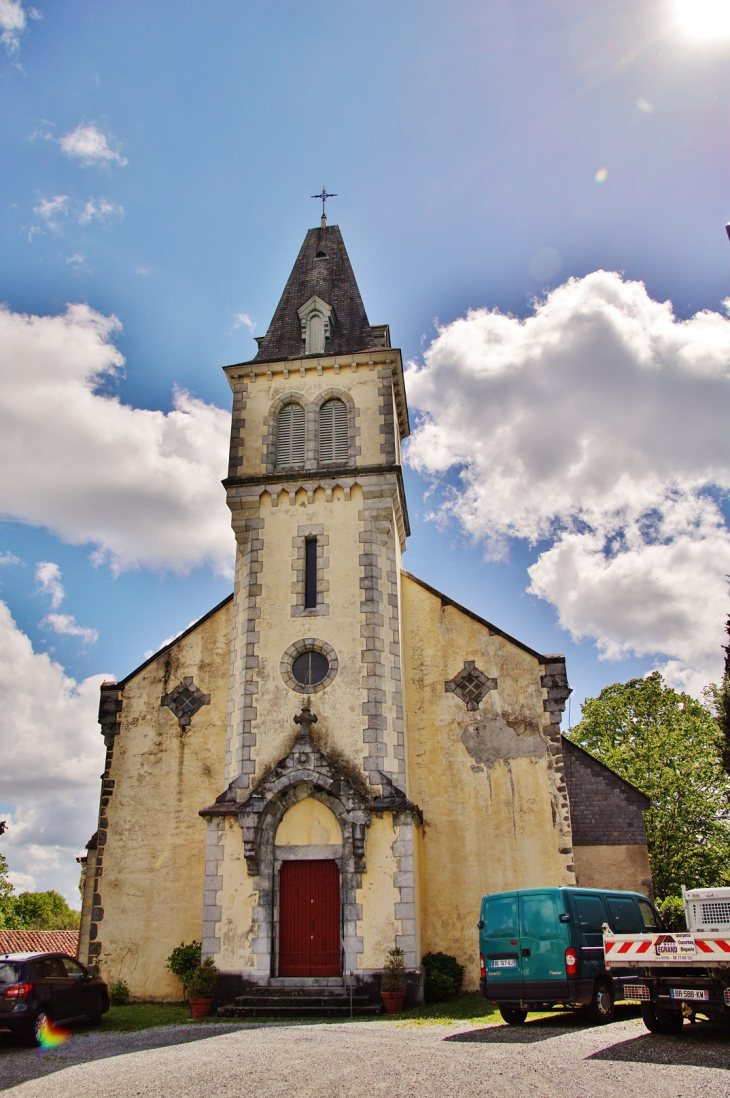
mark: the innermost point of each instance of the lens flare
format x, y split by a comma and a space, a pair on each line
708, 19
601, 175
51, 1036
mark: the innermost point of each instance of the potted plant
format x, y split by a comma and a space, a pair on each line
183, 961
201, 988
393, 983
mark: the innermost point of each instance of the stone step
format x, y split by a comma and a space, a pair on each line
295, 1002
298, 992
300, 1010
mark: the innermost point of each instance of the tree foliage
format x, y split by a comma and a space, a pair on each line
719, 697
44, 911
667, 745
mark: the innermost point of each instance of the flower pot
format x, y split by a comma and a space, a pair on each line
393, 1001
200, 1007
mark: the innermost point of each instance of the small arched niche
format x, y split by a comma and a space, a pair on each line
308, 823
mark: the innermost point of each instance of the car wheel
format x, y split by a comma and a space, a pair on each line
601, 1010
513, 1016
32, 1035
661, 1021
97, 1009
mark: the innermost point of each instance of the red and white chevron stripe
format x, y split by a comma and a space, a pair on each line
628, 947
625, 947
717, 946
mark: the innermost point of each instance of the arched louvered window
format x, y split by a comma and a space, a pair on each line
290, 435
333, 436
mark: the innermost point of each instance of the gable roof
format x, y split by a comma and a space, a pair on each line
322, 268
39, 941
493, 629
629, 788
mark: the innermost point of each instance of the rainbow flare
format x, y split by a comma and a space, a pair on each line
601, 175
51, 1036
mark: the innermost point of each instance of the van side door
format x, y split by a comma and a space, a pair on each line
543, 942
590, 915
500, 948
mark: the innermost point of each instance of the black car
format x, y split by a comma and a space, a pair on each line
36, 988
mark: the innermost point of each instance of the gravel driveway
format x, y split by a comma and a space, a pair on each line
547, 1058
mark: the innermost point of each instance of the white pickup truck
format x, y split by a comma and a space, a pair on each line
679, 974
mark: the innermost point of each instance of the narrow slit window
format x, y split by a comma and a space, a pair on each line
333, 432
310, 574
290, 435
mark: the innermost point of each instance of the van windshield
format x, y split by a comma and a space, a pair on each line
9, 973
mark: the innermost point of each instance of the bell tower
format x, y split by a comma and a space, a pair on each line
315, 489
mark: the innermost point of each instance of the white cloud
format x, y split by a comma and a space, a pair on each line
52, 754
598, 423
9, 558
48, 578
243, 320
142, 486
66, 625
13, 20
99, 210
90, 146
76, 259
51, 209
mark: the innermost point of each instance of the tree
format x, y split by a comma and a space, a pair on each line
719, 698
45, 911
666, 744
7, 892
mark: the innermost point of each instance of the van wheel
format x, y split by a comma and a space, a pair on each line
513, 1016
601, 1010
661, 1021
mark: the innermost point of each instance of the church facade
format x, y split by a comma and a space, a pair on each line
338, 759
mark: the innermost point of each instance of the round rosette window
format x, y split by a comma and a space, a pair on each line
309, 665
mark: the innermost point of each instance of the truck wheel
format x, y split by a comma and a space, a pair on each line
513, 1016
661, 1021
601, 1009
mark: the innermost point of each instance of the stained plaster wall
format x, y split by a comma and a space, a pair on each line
378, 896
621, 867
486, 781
154, 856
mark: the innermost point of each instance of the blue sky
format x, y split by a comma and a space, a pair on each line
159, 160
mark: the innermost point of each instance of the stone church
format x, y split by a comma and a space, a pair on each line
337, 759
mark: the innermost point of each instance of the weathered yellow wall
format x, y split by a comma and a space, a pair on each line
622, 867
339, 706
309, 823
237, 899
488, 818
153, 861
378, 926
362, 385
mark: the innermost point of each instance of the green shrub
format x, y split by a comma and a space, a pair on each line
394, 973
183, 962
119, 994
672, 912
202, 982
444, 976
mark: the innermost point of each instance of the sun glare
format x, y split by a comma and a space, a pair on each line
708, 19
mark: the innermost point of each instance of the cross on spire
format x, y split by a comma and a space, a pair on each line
306, 717
324, 196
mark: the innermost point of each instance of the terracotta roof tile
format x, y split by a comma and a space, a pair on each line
39, 941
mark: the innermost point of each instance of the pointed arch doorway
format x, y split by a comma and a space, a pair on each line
308, 854
309, 918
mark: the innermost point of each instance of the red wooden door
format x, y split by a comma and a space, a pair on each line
309, 919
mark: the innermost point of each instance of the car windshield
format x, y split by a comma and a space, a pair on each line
9, 972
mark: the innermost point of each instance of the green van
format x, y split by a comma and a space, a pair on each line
539, 947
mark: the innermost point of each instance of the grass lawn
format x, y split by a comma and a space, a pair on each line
136, 1016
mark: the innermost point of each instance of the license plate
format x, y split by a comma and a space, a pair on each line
507, 962
689, 993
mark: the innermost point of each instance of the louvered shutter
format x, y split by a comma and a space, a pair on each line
290, 435
333, 437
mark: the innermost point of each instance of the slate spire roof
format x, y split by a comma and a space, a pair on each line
322, 268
